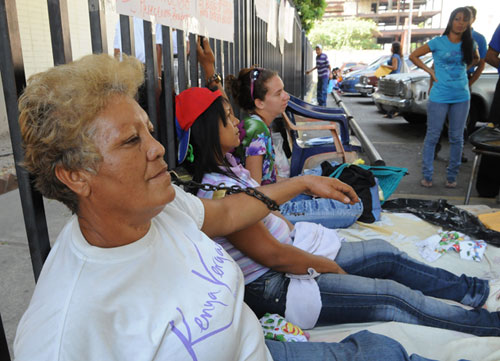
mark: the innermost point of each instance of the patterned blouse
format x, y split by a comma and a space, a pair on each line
276, 226
256, 139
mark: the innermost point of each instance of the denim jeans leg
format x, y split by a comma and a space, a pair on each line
377, 258
267, 293
383, 293
436, 115
327, 212
361, 346
457, 115
322, 90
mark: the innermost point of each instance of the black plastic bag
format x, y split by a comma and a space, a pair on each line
362, 181
446, 215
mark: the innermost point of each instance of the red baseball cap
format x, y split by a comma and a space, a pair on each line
189, 105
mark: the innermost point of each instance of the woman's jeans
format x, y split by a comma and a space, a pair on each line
384, 284
361, 346
327, 212
436, 116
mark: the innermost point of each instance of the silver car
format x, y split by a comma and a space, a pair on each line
407, 93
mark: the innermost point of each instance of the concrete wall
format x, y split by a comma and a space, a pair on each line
34, 31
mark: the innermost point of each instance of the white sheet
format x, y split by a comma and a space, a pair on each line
403, 231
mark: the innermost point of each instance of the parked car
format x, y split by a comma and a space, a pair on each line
351, 66
407, 93
368, 82
351, 79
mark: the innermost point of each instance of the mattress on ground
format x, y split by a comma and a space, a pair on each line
403, 230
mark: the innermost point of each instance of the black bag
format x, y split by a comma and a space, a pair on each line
362, 180
488, 176
444, 214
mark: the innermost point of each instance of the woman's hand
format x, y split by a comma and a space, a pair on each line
259, 244
326, 187
206, 56
433, 76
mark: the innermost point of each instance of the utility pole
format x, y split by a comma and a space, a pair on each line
410, 20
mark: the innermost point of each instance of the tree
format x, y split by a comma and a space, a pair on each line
310, 11
345, 34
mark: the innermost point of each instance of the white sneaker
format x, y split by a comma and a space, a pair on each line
493, 302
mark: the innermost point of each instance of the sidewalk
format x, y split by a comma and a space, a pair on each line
16, 274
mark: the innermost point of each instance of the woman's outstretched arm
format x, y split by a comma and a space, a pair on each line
225, 216
259, 244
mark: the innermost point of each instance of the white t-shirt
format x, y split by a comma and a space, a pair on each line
172, 295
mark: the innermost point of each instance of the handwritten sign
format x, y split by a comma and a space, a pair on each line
212, 18
262, 9
216, 18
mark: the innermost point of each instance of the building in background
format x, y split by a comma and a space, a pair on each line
393, 17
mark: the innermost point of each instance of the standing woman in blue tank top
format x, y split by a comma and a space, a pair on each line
453, 52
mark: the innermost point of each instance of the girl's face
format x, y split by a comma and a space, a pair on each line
229, 135
459, 23
276, 98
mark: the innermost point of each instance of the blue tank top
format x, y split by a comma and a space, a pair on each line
389, 62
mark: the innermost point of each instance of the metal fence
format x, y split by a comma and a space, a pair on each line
250, 47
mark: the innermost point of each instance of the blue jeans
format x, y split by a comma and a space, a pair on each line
384, 284
327, 212
361, 346
436, 116
321, 90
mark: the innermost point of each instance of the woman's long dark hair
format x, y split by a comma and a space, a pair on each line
467, 41
396, 49
205, 141
239, 87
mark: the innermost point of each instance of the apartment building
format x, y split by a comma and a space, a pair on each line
393, 17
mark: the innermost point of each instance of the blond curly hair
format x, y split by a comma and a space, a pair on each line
56, 113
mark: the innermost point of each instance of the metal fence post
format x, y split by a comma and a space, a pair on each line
193, 62
167, 130
13, 82
303, 65
127, 35
4, 348
59, 31
98, 26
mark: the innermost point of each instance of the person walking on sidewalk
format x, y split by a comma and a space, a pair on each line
453, 52
324, 71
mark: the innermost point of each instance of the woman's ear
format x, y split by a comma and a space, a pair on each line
76, 180
259, 104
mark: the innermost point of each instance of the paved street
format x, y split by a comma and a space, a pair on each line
400, 145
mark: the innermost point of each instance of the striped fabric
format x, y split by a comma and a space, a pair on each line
276, 226
322, 65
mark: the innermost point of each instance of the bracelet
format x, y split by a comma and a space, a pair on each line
214, 78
